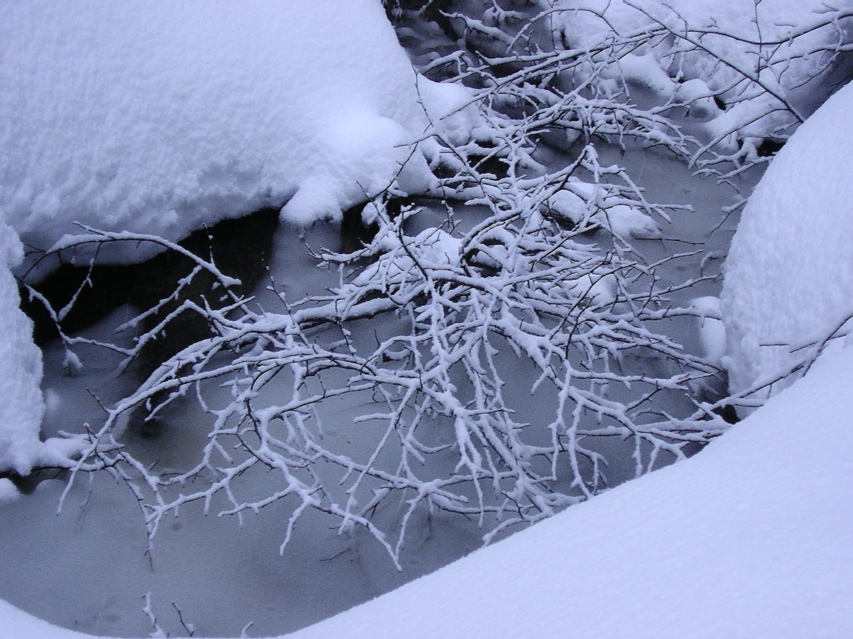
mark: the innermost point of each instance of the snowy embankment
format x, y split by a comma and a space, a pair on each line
161, 119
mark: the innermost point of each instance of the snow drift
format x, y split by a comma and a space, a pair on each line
789, 274
161, 118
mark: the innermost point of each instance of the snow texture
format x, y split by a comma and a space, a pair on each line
21, 403
789, 274
162, 118
749, 538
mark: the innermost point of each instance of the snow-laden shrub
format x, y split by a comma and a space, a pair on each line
440, 341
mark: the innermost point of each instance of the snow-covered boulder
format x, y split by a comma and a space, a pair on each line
163, 117
789, 274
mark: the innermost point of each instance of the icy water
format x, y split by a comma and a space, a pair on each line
86, 568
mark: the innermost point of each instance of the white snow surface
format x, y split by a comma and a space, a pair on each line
22, 405
21, 402
164, 117
789, 273
749, 538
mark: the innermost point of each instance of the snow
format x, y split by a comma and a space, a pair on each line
667, 69
21, 403
749, 538
711, 329
584, 203
161, 118
8, 490
173, 117
789, 274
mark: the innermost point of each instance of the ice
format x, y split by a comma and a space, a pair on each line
789, 274
163, 118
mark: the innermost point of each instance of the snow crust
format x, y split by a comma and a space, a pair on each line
673, 68
789, 274
749, 538
161, 118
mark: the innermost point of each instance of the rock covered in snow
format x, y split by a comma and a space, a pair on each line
585, 204
22, 405
789, 274
710, 328
163, 117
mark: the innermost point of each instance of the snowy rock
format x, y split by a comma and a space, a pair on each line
161, 118
21, 403
582, 202
789, 274
8, 491
627, 221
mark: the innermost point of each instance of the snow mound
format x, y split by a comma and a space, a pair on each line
22, 405
789, 274
163, 117
586, 204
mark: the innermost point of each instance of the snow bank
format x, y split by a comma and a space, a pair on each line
675, 69
21, 402
789, 274
750, 538
163, 117
22, 405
